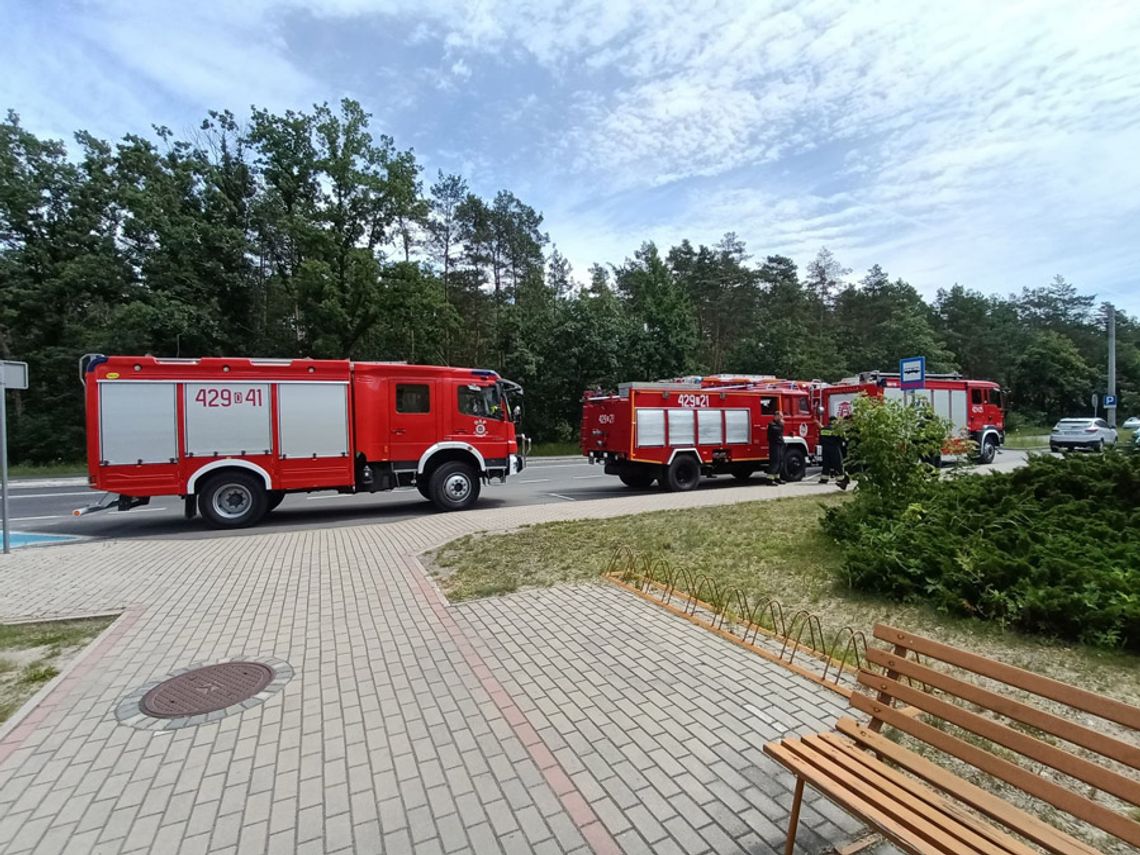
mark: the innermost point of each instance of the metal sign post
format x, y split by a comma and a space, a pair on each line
13, 375
1095, 403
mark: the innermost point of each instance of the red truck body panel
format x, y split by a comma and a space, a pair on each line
974, 408
723, 427
157, 426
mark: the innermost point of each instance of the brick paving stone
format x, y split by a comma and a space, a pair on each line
488, 726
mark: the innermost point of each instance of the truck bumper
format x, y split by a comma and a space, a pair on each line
517, 463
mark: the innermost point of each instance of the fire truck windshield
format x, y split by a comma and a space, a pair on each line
484, 402
512, 399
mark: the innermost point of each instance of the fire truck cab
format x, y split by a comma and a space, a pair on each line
674, 433
233, 436
974, 408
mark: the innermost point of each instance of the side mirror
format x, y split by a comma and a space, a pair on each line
517, 413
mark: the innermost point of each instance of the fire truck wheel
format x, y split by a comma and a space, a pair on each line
637, 479
684, 473
273, 499
424, 486
795, 464
988, 451
233, 500
454, 486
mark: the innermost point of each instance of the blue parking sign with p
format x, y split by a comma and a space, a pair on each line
1109, 401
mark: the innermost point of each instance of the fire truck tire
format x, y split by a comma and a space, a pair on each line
638, 479
795, 464
988, 451
424, 486
234, 499
454, 486
274, 498
683, 474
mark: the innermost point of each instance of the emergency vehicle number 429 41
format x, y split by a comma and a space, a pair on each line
229, 398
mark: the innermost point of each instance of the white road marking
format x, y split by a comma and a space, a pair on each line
535, 481
30, 519
586, 477
51, 495
560, 496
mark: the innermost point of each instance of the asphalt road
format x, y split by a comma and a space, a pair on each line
46, 505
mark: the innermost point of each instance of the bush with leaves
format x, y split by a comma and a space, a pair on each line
1050, 548
890, 442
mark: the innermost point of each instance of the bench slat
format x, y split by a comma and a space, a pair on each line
1070, 731
1086, 701
904, 810
1063, 761
896, 829
1023, 779
1028, 826
897, 787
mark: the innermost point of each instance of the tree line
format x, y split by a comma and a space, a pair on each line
306, 233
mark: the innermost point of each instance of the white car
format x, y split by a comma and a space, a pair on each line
1132, 423
1071, 434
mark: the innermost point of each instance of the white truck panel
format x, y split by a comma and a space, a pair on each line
313, 419
650, 427
710, 428
227, 418
737, 427
138, 422
682, 427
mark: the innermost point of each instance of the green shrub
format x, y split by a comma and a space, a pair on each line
889, 441
1051, 548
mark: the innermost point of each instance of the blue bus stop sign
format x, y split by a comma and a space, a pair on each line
912, 372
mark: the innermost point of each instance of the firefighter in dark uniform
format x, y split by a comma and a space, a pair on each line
834, 450
776, 446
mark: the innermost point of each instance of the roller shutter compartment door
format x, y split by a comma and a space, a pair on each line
313, 419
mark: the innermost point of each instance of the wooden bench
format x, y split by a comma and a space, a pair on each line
921, 806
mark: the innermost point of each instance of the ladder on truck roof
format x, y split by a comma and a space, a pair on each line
872, 376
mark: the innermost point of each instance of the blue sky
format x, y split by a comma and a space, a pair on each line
991, 144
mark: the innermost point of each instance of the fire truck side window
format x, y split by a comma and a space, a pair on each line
995, 397
976, 396
767, 406
413, 398
804, 406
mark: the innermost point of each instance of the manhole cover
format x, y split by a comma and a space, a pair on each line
205, 690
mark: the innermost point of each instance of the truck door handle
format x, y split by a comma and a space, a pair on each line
398, 431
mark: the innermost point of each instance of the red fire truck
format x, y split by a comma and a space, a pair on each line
233, 436
974, 408
673, 433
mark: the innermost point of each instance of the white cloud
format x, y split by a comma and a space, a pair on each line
989, 143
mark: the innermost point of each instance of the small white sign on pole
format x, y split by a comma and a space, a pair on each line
13, 375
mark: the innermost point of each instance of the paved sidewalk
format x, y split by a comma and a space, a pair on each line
575, 719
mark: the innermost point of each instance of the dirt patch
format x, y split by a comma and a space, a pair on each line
31, 654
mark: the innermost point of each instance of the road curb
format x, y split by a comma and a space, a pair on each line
41, 483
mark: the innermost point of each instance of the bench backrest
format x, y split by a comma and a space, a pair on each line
1107, 763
